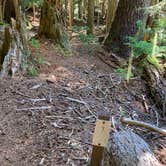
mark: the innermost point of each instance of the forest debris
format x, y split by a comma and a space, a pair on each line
34, 108
37, 100
145, 104
110, 59
36, 86
20, 93
42, 161
82, 102
143, 124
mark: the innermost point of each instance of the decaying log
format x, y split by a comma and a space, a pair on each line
143, 124
126, 148
157, 85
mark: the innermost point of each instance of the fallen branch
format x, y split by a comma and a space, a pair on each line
143, 124
34, 108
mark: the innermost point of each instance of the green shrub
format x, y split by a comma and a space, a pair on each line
35, 43
87, 38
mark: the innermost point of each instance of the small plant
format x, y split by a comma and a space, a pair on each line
61, 50
40, 60
32, 71
87, 38
77, 28
35, 43
124, 72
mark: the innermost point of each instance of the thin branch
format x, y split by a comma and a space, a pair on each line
143, 124
34, 108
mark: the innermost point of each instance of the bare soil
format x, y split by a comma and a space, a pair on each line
49, 120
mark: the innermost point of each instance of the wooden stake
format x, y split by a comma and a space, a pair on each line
97, 151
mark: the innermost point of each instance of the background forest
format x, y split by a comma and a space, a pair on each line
65, 64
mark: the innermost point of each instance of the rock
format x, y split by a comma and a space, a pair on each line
126, 148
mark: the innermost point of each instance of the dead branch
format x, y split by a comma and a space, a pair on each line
34, 108
143, 124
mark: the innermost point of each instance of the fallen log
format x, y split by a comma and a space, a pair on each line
126, 148
157, 85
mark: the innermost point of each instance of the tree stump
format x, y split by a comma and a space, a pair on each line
126, 148
11, 51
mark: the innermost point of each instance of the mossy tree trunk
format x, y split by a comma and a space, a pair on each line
52, 23
124, 25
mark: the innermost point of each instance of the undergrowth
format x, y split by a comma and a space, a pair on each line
150, 43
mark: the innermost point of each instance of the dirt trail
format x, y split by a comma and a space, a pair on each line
69, 92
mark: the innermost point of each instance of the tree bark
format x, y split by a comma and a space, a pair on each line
7, 10
111, 10
124, 25
52, 23
90, 20
71, 14
80, 9
104, 8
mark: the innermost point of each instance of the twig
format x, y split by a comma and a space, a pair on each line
37, 100
19, 93
34, 108
82, 102
145, 104
75, 100
143, 124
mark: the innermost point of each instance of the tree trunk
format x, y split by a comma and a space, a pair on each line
7, 10
90, 20
71, 14
111, 10
104, 8
66, 5
124, 25
52, 23
80, 9
85, 3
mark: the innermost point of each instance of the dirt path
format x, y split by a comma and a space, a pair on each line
49, 120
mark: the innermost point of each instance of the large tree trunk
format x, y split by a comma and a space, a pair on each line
90, 20
80, 11
52, 23
71, 14
124, 25
111, 10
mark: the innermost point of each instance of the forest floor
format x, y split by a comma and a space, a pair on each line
49, 119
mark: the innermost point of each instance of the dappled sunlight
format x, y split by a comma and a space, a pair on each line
82, 66
62, 74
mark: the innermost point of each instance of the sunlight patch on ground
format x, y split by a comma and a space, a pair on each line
62, 74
